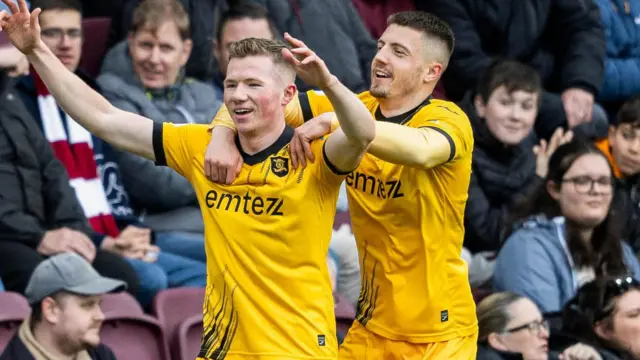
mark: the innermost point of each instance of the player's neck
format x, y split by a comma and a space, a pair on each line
397, 105
256, 141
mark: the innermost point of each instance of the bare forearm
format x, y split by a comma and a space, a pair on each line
76, 98
354, 117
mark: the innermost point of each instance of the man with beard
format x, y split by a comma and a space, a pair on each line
64, 292
406, 198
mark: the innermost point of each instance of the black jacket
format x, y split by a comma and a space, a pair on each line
501, 177
628, 202
34, 187
16, 350
562, 39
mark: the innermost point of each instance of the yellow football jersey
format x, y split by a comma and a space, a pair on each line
408, 223
267, 236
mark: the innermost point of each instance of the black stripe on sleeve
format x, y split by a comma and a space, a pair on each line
305, 104
330, 165
451, 142
158, 146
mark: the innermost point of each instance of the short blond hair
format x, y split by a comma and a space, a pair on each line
262, 47
151, 14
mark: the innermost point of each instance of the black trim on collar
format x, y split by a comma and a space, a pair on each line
402, 118
282, 141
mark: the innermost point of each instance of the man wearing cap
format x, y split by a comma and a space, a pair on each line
64, 292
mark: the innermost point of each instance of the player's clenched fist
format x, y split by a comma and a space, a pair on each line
309, 67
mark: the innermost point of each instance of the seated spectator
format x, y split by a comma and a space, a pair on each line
244, 20
567, 234
145, 75
109, 213
622, 59
502, 111
203, 19
64, 292
511, 326
605, 313
40, 215
562, 40
622, 148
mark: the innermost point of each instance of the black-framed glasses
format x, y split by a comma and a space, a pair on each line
585, 184
614, 288
57, 33
534, 327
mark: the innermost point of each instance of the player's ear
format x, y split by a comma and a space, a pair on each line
289, 92
432, 73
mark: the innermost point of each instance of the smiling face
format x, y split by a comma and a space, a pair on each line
509, 116
158, 55
256, 92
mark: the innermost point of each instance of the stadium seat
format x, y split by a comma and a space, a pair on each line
14, 308
134, 337
342, 217
189, 337
96, 34
345, 315
123, 303
173, 306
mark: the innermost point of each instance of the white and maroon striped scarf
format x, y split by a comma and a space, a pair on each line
74, 148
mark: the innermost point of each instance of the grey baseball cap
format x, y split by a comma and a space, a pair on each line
71, 273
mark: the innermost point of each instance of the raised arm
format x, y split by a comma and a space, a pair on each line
346, 146
123, 130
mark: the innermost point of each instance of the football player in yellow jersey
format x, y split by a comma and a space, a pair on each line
406, 199
268, 289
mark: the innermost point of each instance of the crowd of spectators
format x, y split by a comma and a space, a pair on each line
551, 88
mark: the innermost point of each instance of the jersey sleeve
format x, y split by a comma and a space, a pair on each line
454, 124
175, 145
323, 169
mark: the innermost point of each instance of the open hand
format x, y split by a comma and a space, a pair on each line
22, 28
309, 67
544, 150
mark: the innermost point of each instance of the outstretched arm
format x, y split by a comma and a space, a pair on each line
123, 130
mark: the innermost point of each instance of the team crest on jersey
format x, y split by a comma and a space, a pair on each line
280, 166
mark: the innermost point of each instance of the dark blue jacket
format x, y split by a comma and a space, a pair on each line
622, 61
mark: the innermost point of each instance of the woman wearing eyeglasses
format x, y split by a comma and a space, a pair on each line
512, 327
605, 313
567, 234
